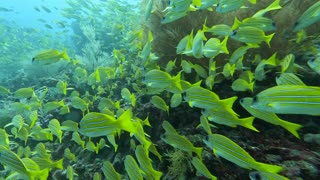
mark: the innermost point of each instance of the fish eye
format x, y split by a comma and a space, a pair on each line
312, 59
254, 99
218, 4
295, 24
241, 100
234, 32
274, 24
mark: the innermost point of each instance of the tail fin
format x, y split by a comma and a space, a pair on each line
59, 164
64, 55
269, 38
224, 45
124, 122
267, 167
198, 151
247, 123
291, 127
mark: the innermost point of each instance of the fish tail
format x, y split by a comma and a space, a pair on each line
59, 164
176, 82
198, 151
124, 122
269, 38
292, 128
236, 23
64, 55
247, 123
224, 45
267, 167
253, 1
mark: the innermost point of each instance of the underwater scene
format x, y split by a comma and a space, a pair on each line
160, 89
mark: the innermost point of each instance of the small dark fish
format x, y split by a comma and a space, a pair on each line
36, 8
46, 9
48, 26
5, 9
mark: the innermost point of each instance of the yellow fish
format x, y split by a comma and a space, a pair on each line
50, 56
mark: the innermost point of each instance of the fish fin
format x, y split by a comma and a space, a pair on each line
59, 164
267, 167
292, 128
198, 151
247, 123
124, 122
269, 38
64, 55
229, 102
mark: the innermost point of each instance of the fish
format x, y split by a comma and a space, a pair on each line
170, 65
228, 70
148, 9
48, 163
163, 81
218, 30
263, 23
287, 64
24, 93
289, 79
221, 116
146, 163
132, 168
80, 104
203, 98
13, 162
176, 100
69, 125
289, 99
76, 138
202, 169
48, 26
40, 134
50, 56
225, 6
168, 128
46, 9
181, 142
314, 64
50, 106
109, 171
41, 151
55, 128
214, 47
309, 17
239, 53
4, 138
251, 35
159, 103
260, 175
70, 173
197, 44
242, 85
128, 96
229, 150
96, 124
69, 155
4, 91
204, 123
270, 117
208, 4
62, 87
201, 71
273, 6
